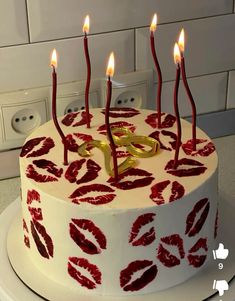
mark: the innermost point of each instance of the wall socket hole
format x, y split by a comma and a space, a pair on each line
74, 106
131, 99
25, 121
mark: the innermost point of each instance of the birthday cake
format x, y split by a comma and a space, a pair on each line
152, 229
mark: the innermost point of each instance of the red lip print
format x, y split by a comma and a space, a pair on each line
86, 245
71, 142
49, 166
92, 171
117, 124
166, 257
81, 279
98, 199
31, 173
47, 144
216, 224
205, 151
135, 266
167, 122
198, 260
132, 184
177, 192
36, 213
26, 237
148, 237
197, 169
122, 112
193, 225
33, 195
70, 118
46, 249
172, 142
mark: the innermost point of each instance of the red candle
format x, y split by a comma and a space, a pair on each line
54, 116
159, 73
177, 59
194, 111
88, 63
109, 73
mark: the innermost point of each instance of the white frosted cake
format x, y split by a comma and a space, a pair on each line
151, 230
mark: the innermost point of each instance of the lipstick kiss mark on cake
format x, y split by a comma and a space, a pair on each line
33, 195
197, 217
36, 213
170, 136
117, 124
80, 239
94, 200
186, 168
127, 179
92, 170
197, 260
75, 263
72, 143
26, 237
134, 267
49, 166
42, 240
165, 256
122, 112
31, 173
216, 224
177, 192
70, 118
167, 122
149, 236
204, 151
47, 144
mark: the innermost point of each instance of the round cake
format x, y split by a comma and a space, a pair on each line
152, 229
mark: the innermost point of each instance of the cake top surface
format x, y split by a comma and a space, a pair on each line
85, 182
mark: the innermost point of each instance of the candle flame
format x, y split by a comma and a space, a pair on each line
110, 67
86, 25
177, 57
54, 58
181, 40
153, 25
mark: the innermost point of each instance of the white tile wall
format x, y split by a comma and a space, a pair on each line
31, 28
13, 22
209, 93
57, 19
231, 91
29, 65
210, 46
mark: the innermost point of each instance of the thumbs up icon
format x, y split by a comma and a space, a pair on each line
221, 252
220, 286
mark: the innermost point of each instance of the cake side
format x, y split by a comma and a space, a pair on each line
166, 227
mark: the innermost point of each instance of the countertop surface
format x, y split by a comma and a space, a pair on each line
10, 188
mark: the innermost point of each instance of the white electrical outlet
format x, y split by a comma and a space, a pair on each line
71, 96
21, 113
130, 90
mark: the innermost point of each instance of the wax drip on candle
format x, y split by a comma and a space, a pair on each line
177, 60
109, 73
183, 72
153, 28
88, 63
54, 116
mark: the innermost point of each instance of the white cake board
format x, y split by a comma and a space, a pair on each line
12, 289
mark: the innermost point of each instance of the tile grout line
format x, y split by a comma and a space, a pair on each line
135, 49
27, 20
106, 32
226, 93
